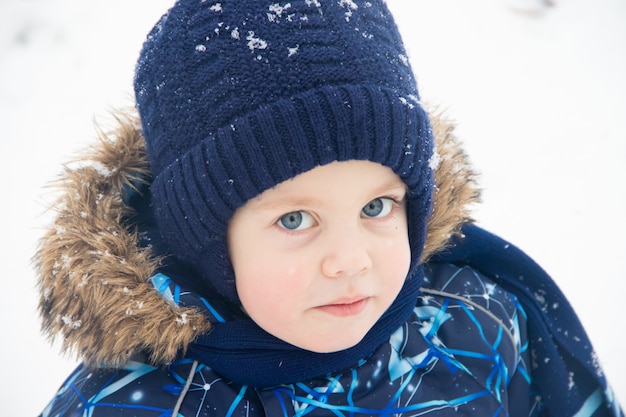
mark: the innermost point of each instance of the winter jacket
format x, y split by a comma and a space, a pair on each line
475, 344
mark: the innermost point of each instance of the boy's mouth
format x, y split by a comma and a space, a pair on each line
345, 308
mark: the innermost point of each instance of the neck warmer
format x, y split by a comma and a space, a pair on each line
237, 348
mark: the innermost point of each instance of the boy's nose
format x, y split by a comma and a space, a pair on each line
346, 256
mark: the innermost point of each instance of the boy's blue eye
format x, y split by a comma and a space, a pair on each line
378, 207
296, 220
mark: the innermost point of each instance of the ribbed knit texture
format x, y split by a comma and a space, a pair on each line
238, 96
246, 354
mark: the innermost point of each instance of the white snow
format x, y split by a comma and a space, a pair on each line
292, 51
254, 42
434, 160
315, 3
74, 324
348, 3
538, 94
276, 11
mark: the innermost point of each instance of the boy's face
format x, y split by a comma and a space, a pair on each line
319, 258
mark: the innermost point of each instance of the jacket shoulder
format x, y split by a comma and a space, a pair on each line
481, 326
138, 389
477, 313
134, 389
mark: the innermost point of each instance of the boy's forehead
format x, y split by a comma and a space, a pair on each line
343, 178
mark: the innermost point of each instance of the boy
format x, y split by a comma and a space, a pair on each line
287, 234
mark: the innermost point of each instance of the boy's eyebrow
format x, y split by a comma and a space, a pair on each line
287, 202
302, 201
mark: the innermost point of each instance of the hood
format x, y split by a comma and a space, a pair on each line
94, 276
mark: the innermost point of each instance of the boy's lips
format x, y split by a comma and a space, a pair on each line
345, 308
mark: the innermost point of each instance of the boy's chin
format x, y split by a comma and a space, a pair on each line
330, 346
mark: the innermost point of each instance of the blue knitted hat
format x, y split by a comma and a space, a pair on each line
237, 96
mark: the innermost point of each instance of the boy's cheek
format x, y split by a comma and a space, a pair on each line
266, 277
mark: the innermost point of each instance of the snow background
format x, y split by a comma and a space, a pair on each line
538, 94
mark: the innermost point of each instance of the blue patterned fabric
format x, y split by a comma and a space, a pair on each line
463, 351
565, 366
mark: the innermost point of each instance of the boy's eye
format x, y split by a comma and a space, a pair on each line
296, 220
378, 207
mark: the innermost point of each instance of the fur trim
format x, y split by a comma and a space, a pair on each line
455, 189
93, 277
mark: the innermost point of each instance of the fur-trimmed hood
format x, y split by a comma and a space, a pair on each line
94, 276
